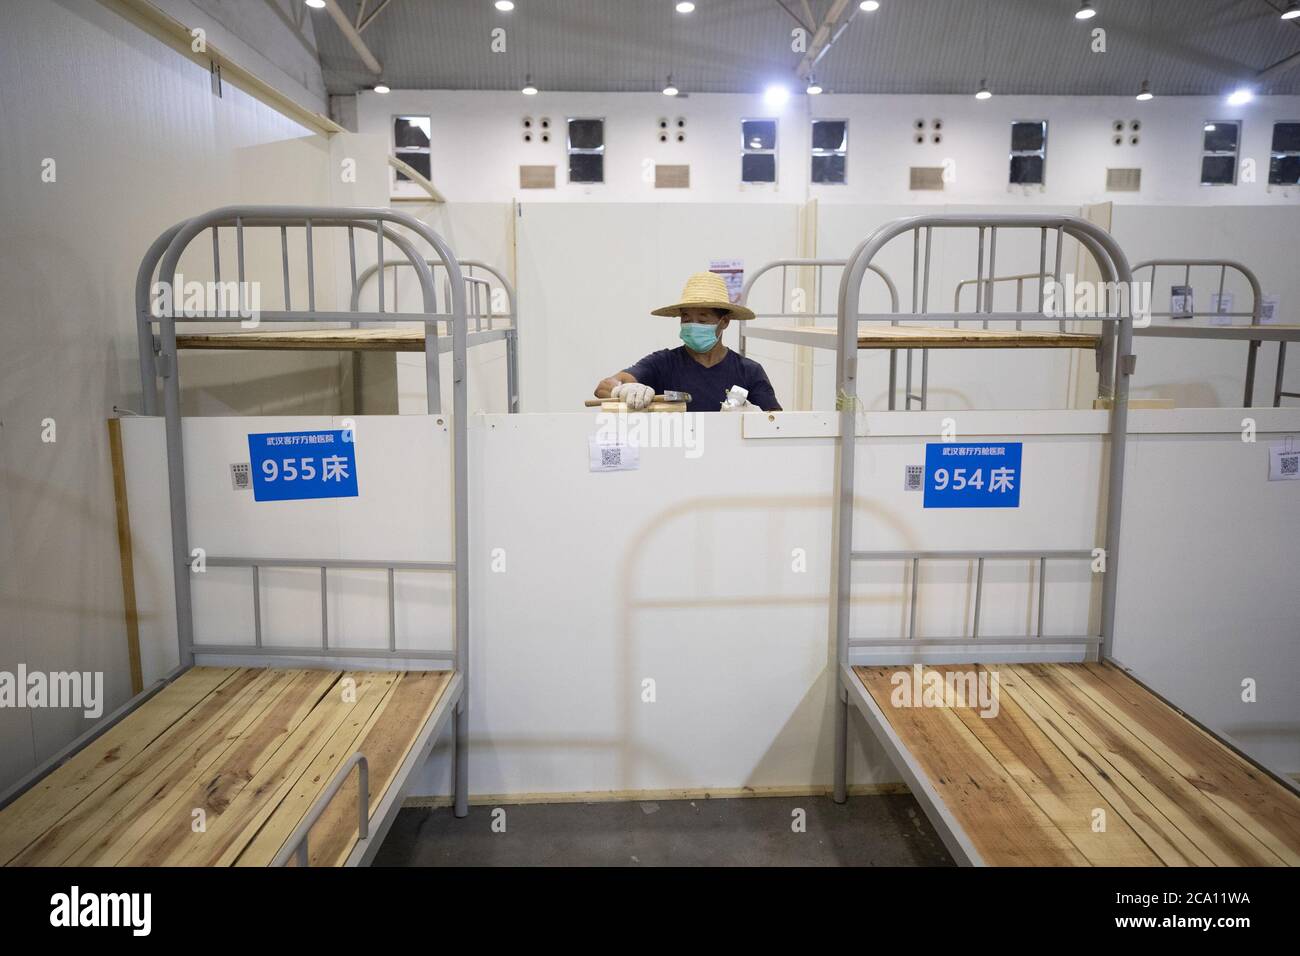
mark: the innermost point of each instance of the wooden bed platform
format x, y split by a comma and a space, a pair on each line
251, 748
407, 339
1070, 740
926, 337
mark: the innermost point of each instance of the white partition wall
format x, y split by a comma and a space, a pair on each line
666, 628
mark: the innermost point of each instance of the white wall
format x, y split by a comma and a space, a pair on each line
683, 572
478, 146
139, 141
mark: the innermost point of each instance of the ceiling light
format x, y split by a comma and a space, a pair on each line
1291, 12
1240, 96
670, 90
316, 4
685, 7
983, 93
1145, 93
1209, 127
814, 88
776, 95
505, 6
381, 87
1085, 11
529, 89
869, 6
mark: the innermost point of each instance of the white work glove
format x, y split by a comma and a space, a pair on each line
634, 394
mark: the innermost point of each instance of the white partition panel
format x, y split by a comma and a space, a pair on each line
666, 628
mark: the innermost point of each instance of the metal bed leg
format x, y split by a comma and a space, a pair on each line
1281, 373
1251, 356
512, 372
460, 744
841, 791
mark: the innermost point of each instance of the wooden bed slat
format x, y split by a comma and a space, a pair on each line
169, 837
1070, 739
1213, 831
309, 340
386, 742
1003, 823
1255, 799
126, 799
55, 796
262, 839
932, 337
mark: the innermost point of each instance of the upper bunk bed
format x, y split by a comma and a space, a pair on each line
918, 329
490, 299
254, 749
1075, 731
1223, 323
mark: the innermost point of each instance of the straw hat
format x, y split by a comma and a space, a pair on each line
706, 290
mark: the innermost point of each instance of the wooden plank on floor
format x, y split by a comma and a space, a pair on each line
98, 821
1253, 798
1002, 822
169, 836
1054, 784
385, 743
258, 847
227, 835
55, 796
1215, 832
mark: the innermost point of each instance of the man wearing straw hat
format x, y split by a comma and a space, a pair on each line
702, 366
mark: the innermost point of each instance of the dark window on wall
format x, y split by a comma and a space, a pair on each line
411, 138
1028, 152
758, 151
586, 150
1219, 153
1284, 158
830, 151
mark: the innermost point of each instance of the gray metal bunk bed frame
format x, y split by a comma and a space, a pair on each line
1117, 345
819, 283
914, 397
1114, 268
478, 308
160, 361
1255, 334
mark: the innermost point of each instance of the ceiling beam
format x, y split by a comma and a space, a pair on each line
826, 35
352, 36
362, 23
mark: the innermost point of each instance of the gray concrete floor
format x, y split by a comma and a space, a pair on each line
887, 830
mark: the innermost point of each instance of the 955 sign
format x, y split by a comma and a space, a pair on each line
972, 475
294, 466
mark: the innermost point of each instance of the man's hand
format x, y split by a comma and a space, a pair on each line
634, 394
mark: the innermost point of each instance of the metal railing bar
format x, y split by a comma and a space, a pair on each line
311, 269
270, 650
979, 591
238, 561
284, 256
392, 614
239, 260
324, 610
958, 643
1042, 592
1016, 554
911, 625
257, 605
297, 842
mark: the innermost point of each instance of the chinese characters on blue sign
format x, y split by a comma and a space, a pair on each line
972, 475
292, 466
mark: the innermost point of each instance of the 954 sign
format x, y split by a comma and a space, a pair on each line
965, 475
294, 466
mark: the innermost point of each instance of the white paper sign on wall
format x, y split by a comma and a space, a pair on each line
612, 455
1220, 304
1284, 461
1268, 310
1180, 302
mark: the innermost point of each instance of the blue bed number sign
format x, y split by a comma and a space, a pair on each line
972, 475
293, 466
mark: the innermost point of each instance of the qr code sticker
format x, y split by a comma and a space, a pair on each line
241, 476
1290, 464
913, 478
611, 457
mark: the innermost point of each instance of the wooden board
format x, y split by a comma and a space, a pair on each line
409, 339
1081, 765
926, 337
221, 761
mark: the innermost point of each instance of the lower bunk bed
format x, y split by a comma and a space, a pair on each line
1076, 765
238, 766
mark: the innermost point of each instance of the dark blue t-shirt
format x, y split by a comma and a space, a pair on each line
675, 369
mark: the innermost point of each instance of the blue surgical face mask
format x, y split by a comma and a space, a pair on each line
699, 336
